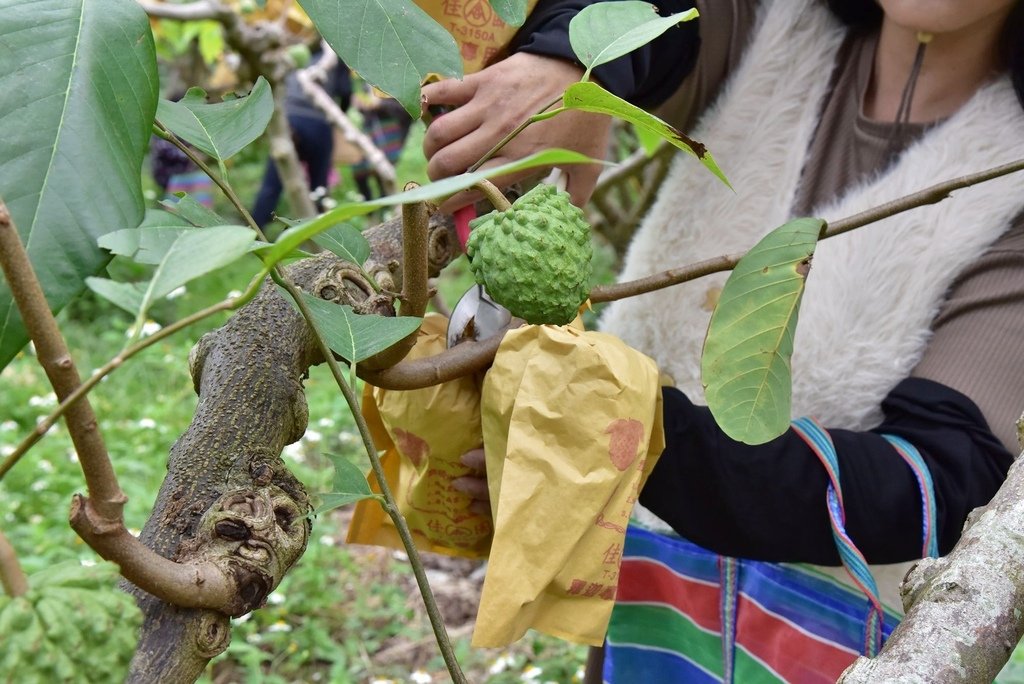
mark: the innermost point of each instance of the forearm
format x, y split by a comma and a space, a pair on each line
767, 502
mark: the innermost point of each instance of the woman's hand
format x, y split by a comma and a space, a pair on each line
493, 102
475, 485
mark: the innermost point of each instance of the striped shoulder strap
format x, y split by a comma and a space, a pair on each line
853, 560
909, 453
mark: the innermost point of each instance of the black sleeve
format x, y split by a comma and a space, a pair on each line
767, 502
646, 77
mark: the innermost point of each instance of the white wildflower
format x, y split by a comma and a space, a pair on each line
421, 677
295, 451
325, 422
313, 436
147, 423
254, 638
531, 673
279, 626
6, 449
327, 540
501, 663
44, 400
8, 425
45, 466
276, 599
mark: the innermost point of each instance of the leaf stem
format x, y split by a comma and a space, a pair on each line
495, 196
512, 134
163, 132
433, 613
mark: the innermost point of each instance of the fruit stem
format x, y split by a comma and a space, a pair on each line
495, 196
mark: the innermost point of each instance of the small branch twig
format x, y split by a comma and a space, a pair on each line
512, 134
12, 577
99, 518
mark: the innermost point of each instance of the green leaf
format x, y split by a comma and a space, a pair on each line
193, 254
349, 485
745, 366
356, 337
295, 236
392, 44
143, 245
608, 30
223, 128
649, 141
186, 207
346, 241
590, 97
79, 86
512, 12
128, 296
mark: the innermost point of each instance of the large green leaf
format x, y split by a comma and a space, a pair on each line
745, 366
590, 97
355, 337
295, 236
219, 129
392, 44
79, 87
608, 30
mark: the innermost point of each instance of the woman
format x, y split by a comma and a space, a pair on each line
911, 327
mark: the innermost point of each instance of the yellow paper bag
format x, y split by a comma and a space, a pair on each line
572, 427
423, 434
479, 31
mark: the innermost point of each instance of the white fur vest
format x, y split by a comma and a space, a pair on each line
872, 294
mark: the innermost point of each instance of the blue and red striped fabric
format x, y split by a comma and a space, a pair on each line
791, 624
686, 614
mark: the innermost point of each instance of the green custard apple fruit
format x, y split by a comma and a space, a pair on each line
534, 258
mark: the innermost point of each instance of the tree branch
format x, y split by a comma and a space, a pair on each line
99, 519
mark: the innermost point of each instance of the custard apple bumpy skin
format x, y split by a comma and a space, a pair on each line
534, 258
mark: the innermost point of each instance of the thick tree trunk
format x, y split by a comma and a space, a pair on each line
965, 611
227, 493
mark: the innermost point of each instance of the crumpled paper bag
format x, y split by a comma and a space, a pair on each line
423, 433
572, 426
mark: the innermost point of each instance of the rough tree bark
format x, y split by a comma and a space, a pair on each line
228, 495
965, 611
